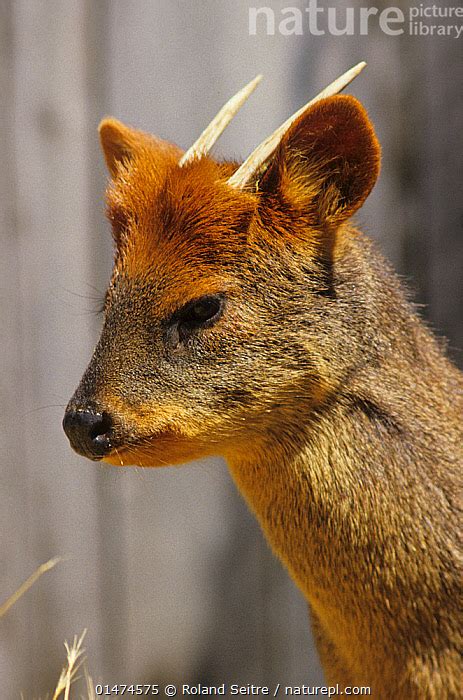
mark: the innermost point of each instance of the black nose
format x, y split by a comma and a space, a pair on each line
88, 432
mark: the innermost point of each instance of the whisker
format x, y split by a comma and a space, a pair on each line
41, 408
98, 300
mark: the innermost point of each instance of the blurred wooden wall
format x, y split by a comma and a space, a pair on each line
167, 569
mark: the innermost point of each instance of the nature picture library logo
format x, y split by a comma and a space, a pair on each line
317, 20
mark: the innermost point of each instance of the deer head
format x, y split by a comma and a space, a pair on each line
221, 302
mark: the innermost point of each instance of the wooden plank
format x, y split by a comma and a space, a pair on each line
442, 202
58, 509
15, 648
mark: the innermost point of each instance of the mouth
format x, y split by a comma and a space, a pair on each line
160, 449
163, 449
148, 451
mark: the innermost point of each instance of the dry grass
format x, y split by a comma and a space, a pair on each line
23, 588
75, 659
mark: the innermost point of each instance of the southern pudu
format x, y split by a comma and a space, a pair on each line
246, 317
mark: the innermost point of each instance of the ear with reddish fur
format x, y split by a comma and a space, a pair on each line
327, 163
120, 143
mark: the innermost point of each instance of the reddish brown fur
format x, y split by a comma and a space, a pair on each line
335, 408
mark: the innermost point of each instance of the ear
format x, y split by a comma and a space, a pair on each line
327, 162
121, 143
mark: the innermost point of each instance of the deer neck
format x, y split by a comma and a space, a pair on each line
340, 511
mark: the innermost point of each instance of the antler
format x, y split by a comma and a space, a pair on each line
211, 133
253, 165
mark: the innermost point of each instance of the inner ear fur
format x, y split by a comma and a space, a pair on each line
327, 163
121, 143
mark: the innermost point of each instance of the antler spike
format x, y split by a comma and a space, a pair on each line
211, 133
254, 163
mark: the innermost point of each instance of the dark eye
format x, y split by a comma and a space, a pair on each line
201, 312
